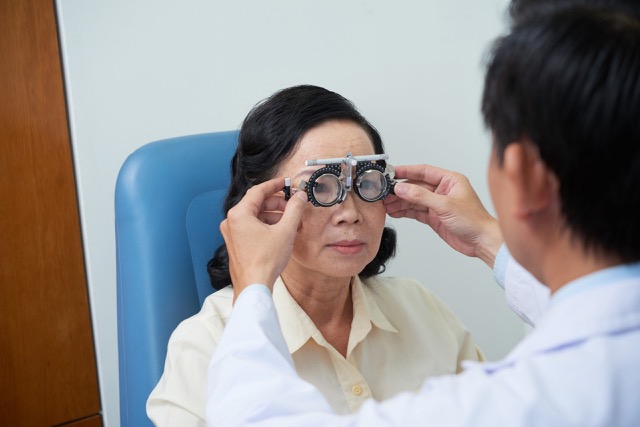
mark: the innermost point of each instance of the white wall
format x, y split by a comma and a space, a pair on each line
141, 70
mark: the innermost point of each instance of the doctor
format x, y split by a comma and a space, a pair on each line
562, 99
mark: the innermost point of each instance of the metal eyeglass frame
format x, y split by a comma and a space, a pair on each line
363, 165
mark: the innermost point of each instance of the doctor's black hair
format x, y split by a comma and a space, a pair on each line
568, 79
522, 10
269, 135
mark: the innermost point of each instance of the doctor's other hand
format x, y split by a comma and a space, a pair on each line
446, 201
259, 233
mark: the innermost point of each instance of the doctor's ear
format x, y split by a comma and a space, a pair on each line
534, 184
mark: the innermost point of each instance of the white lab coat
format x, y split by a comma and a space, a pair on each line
579, 367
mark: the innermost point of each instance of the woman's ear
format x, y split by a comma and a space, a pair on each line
534, 186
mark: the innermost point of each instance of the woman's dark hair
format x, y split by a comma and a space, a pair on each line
569, 80
269, 135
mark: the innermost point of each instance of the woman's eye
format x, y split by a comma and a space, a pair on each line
368, 185
321, 188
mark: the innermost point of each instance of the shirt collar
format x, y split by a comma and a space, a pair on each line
296, 325
599, 278
298, 328
363, 294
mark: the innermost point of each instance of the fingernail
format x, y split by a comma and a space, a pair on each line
400, 189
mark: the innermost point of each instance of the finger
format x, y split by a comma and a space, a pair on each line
431, 175
391, 198
256, 195
270, 217
416, 194
293, 212
403, 205
397, 204
224, 229
405, 213
427, 185
275, 203
420, 215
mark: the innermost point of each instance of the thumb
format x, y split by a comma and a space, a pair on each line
416, 194
292, 214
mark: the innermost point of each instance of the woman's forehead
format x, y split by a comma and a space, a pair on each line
328, 140
334, 139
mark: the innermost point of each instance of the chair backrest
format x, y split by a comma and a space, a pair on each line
168, 207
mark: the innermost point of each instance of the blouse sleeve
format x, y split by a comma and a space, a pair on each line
179, 398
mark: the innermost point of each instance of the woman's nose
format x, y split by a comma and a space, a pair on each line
349, 210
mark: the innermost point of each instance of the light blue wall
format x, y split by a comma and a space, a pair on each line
141, 70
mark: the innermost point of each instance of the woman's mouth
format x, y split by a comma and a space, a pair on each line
347, 247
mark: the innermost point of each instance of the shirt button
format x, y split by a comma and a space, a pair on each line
357, 390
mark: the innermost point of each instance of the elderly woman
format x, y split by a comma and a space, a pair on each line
352, 333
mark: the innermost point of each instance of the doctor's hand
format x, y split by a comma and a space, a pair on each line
445, 201
259, 233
